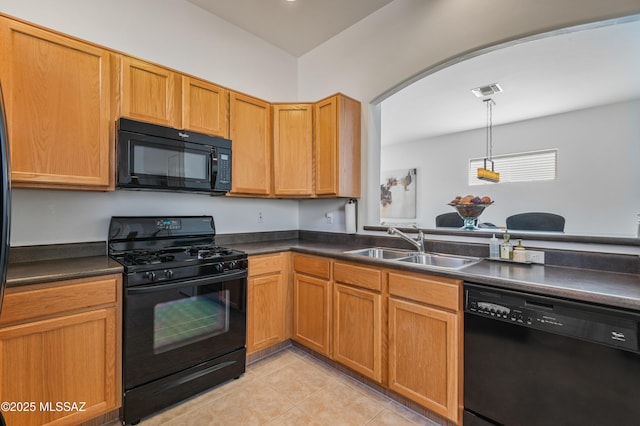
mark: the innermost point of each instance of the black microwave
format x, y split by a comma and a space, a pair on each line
155, 157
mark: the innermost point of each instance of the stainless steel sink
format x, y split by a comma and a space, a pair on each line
440, 260
382, 253
437, 260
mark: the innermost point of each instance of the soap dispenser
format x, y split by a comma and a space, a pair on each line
494, 247
519, 253
506, 249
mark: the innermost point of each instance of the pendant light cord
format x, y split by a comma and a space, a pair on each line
490, 104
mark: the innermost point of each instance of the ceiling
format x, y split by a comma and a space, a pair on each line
571, 70
294, 26
550, 75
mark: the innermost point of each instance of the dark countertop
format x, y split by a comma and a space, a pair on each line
601, 287
606, 288
24, 273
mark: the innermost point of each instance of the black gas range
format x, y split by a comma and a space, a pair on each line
184, 321
155, 249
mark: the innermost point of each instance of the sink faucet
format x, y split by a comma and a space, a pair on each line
418, 242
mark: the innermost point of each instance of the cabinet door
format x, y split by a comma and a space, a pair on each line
149, 93
357, 330
292, 150
337, 147
312, 312
70, 359
250, 132
58, 100
423, 356
205, 107
266, 313
326, 114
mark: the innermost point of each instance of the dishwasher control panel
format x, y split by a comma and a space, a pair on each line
500, 311
600, 324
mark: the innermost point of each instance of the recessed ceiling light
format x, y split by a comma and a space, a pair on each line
487, 90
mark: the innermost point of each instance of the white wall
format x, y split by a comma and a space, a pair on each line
48, 217
179, 35
597, 169
407, 37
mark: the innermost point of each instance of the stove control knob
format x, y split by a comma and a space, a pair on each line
233, 264
151, 276
168, 273
218, 267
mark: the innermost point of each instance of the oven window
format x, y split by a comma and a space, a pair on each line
148, 160
182, 322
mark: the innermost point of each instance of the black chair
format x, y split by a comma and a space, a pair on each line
449, 220
536, 221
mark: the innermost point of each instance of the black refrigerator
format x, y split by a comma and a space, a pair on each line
5, 195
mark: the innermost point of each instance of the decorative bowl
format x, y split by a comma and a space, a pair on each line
469, 214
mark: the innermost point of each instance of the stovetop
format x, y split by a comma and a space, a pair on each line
154, 249
173, 256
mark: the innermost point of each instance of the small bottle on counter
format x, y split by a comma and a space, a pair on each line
519, 253
506, 249
494, 247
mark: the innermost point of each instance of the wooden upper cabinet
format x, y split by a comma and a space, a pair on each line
250, 131
149, 92
58, 99
205, 107
337, 147
293, 149
155, 94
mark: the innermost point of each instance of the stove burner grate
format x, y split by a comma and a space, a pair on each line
147, 257
209, 252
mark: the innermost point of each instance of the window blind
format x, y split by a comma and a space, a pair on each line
518, 167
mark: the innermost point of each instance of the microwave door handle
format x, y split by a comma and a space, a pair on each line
187, 283
214, 168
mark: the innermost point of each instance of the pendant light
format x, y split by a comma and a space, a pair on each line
484, 173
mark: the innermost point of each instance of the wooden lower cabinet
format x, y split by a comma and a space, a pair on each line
403, 330
312, 303
60, 351
425, 357
358, 319
268, 315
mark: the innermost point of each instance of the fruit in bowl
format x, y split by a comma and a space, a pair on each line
469, 208
471, 199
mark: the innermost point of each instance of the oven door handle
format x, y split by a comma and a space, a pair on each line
187, 283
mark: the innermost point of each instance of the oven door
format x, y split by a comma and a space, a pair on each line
169, 327
159, 163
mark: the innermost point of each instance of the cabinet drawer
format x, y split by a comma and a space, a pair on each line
312, 266
23, 303
265, 264
443, 292
358, 276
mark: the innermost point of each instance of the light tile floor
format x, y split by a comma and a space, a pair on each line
289, 388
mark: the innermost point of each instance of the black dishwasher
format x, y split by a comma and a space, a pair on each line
536, 360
